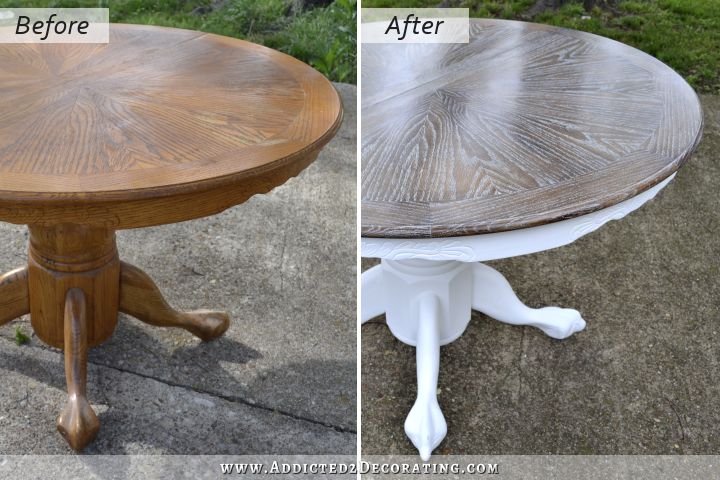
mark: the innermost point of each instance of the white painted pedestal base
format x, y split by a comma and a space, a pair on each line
428, 304
427, 289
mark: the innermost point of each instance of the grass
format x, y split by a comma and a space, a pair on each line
321, 37
685, 34
20, 337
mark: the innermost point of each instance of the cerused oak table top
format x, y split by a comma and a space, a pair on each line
527, 124
159, 125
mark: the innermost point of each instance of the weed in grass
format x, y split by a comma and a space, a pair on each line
685, 34
325, 37
321, 37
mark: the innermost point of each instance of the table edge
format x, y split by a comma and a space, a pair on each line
505, 244
431, 230
50, 198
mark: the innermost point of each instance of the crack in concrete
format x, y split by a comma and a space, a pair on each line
682, 427
520, 365
282, 262
232, 399
229, 398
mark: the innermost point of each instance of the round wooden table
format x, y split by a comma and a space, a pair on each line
160, 125
525, 139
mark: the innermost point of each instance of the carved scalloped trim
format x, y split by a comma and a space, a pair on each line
492, 246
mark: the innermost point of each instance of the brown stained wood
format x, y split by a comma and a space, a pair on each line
156, 210
158, 126
141, 298
69, 256
14, 299
526, 125
77, 422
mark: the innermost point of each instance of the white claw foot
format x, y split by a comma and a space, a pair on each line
372, 301
425, 424
558, 322
493, 296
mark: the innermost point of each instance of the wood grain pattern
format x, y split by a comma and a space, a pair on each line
71, 256
527, 124
141, 298
14, 298
77, 422
158, 118
74, 287
159, 126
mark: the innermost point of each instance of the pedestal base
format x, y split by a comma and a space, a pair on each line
428, 304
73, 287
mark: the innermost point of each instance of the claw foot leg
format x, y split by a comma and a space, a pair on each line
77, 422
493, 296
141, 298
425, 424
14, 299
372, 296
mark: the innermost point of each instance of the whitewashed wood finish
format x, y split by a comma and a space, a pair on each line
494, 246
525, 125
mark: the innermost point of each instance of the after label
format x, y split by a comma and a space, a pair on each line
414, 25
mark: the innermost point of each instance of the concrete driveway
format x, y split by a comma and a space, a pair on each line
283, 378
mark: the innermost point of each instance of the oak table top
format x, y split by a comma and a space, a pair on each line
160, 125
525, 125
150, 127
